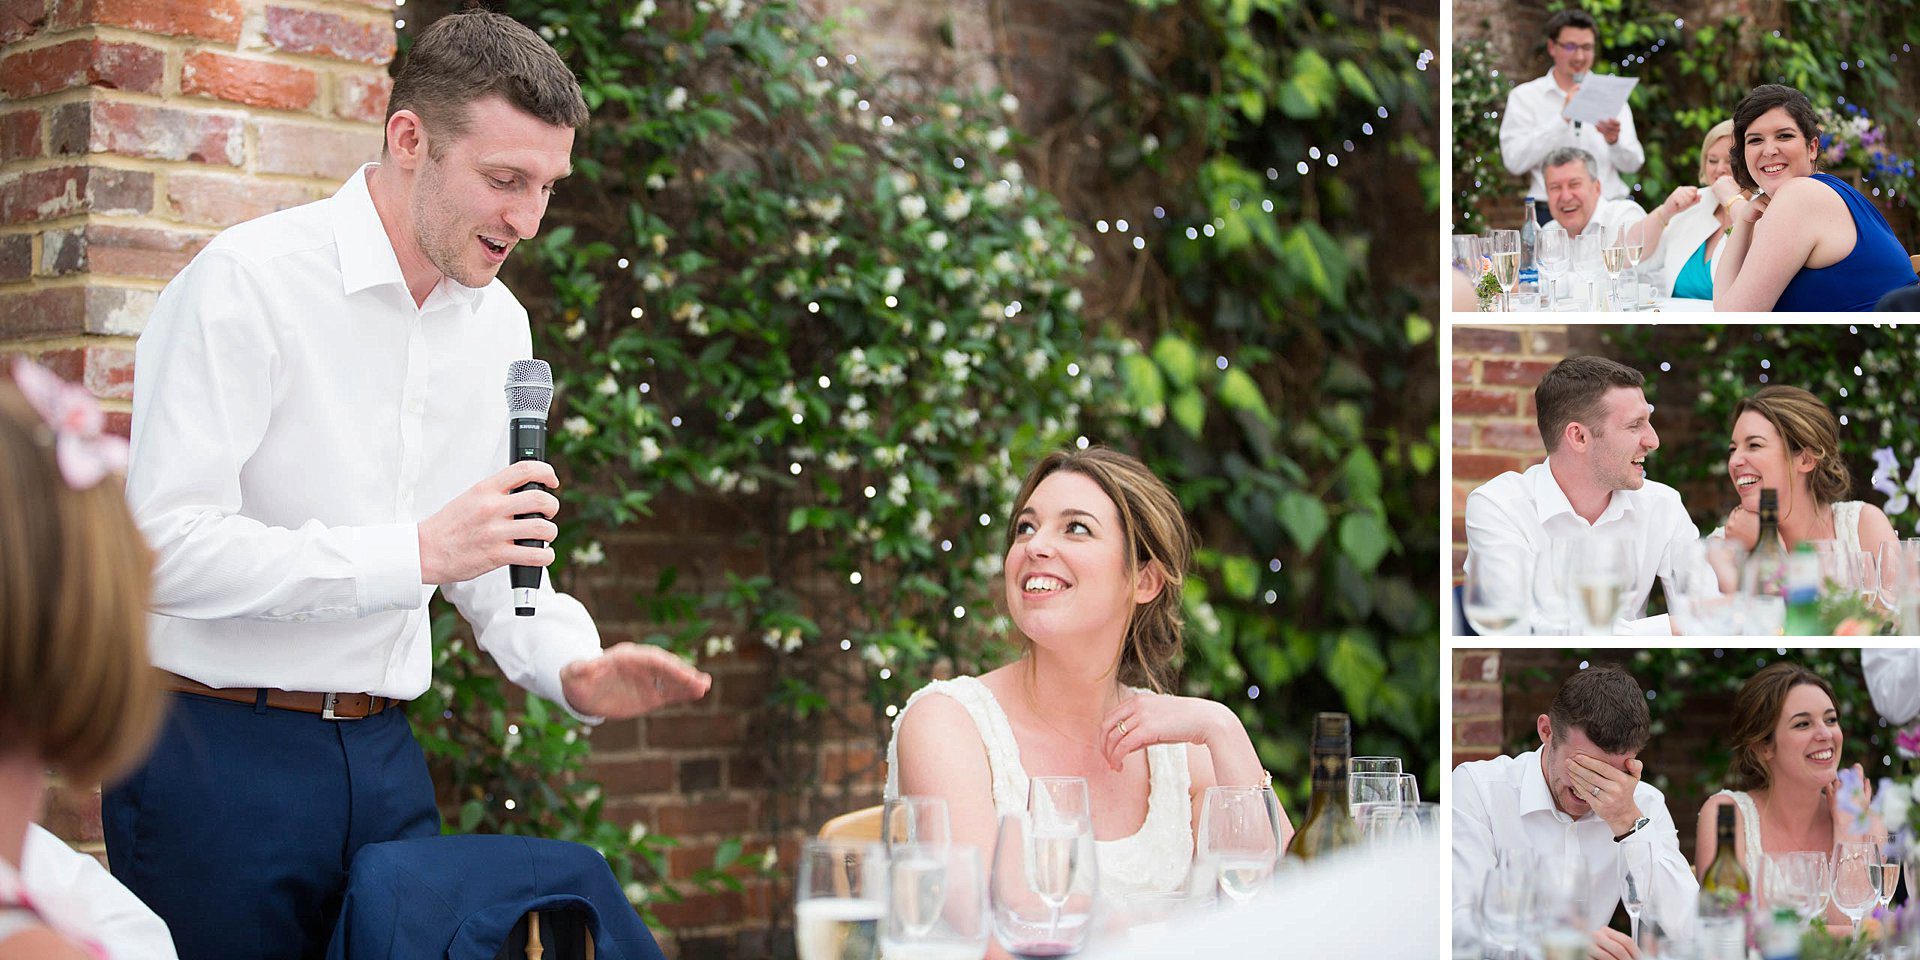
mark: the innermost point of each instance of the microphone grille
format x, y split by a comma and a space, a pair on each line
529, 388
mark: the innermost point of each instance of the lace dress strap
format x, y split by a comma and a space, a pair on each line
1750, 817
1846, 523
996, 735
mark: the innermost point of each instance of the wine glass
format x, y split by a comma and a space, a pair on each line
1553, 251
936, 903
1613, 257
839, 900
1506, 902
1636, 878
1699, 587
1856, 867
1495, 606
1599, 577
1793, 881
1889, 881
1634, 238
1900, 581
1238, 840
1041, 889
1373, 765
1366, 791
914, 819
1503, 248
1466, 254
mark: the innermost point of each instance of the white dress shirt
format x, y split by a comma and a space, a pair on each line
1519, 524
295, 416
1893, 680
73, 887
1505, 805
1532, 127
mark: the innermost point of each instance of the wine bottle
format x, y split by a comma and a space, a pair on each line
1803, 593
1726, 895
1529, 239
1329, 825
1764, 574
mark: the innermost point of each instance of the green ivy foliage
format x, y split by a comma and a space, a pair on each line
1715, 365
837, 300
1851, 57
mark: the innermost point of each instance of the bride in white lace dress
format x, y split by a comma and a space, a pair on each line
1784, 438
1784, 779
1096, 553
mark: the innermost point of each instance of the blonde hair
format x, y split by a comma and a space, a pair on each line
76, 688
1804, 423
1722, 129
1155, 534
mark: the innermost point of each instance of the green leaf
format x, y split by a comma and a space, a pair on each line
1239, 392
1356, 669
1189, 410
1363, 475
471, 813
1304, 259
1240, 576
1357, 81
1177, 359
1419, 329
1304, 517
1145, 386
1365, 539
727, 854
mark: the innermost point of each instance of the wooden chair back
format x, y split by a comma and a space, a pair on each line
858, 826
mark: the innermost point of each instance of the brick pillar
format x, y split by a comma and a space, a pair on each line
1476, 705
131, 132
1494, 372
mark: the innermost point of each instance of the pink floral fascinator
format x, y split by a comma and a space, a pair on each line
84, 450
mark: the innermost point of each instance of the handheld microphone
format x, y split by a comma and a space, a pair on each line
529, 394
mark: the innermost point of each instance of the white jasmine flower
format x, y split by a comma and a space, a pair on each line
856, 402
1009, 103
998, 194
677, 99
792, 642
803, 244
719, 645
925, 432
652, 283
589, 555
897, 490
638, 18
937, 240
733, 9
840, 461
816, 88
895, 277
997, 139
649, 449
828, 210
829, 245
856, 420
954, 359
698, 327
1082, 254
637, 832
1031, 229
903, 182
576, 329
786, 289
636, 893
872, 653
689, 311
956, 205
936, 331
913, 206
1003, 262
1075, 300
578, 427
1011, 170
770, 859
990, 311
608, 386
656, 182
1148, 144
950, 112
847, 98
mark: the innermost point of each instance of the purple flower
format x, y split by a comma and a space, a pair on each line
1907, 741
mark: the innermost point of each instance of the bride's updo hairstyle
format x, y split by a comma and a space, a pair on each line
1155, 533
1805, 424
1756, 711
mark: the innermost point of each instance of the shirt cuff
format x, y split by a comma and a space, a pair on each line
386, 561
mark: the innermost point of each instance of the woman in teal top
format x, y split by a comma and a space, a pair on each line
1697, 219
1807, 241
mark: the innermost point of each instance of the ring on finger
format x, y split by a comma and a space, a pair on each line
1123, 727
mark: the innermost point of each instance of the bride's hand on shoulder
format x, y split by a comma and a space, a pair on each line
1144, 720
1743, 527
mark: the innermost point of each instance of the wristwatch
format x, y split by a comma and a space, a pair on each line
1637, 824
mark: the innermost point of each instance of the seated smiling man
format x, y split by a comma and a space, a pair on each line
1573, 801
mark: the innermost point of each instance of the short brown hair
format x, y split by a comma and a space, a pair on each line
475, 54
1804, 423
1155, 532
1761, 99
1607, 704
76, 688
1571, 17
1756, 710
1572, 392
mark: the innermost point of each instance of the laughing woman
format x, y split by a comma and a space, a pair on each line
1784, 781
1096, 552
1784, 438
1808, 240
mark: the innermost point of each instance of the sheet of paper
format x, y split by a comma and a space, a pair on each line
1600, 98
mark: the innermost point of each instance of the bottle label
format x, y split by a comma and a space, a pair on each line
1722, 938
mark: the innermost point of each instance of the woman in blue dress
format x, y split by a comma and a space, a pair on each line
1808, 240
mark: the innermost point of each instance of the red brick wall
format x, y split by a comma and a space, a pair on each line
1477, 701
131, 131
1495, 369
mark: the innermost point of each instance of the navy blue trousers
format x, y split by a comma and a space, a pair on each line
239, 829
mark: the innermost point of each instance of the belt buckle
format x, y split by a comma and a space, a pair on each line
326, 707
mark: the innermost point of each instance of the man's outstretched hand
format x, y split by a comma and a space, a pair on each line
629, 679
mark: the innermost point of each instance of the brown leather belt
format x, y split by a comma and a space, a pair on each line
330, 706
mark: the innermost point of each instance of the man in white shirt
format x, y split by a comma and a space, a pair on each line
1569, 805
1574, 200
318, 436
1535, 122
1524, 529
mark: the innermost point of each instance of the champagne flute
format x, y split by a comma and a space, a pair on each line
1041, 888
1613, 257
1554, 252
1504, 251
1506, 901
1061, 812
1636, 878
1634, 238
839, 900
1856, 869
936, 904
914, 819
1239, 839
1889, 881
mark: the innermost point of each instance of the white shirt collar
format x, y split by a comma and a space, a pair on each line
367, 258
1552, 501
1536, 794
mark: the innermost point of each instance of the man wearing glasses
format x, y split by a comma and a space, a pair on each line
1535, 124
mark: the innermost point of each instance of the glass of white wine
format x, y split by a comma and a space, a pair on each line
839, 901
1554, 252
1600, 574
1494, 606
1239, 839
1856, 877
914, 819
1633, 236
1042, 886
1613, 257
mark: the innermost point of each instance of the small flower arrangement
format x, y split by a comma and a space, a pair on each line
1851, 144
